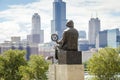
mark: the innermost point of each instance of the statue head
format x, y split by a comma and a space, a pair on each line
70, 24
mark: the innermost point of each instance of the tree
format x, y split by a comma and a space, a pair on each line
10, 61
36, 69
104, 64
118, 49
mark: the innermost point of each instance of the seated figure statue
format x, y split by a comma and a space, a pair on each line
69, 41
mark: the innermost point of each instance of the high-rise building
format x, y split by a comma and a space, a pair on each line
58, 24
113, 38
94, 28
82, 42
82, 34
37, 35
110, 38
101, 39
15, 39
83, 45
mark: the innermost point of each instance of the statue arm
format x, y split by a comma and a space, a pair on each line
62, 40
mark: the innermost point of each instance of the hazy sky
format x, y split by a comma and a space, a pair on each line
15, 15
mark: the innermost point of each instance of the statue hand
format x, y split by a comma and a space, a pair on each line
57, 42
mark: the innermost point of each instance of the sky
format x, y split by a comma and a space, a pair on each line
15, 15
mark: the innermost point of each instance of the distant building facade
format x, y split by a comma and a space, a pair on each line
37, 35
94, 28
113, 38
15, 39
82, 34
58, 24
15, 43
101, 39
46, 49
83, 45
86, 55
108, 38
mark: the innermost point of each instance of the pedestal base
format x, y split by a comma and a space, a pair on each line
66, 72
70, 57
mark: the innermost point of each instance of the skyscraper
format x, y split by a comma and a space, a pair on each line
109, 38
101, 39
82, 34
58, 24
36, 26
37, 35
113, 38
94, 28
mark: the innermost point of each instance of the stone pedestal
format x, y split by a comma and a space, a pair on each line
69, 57
66, 72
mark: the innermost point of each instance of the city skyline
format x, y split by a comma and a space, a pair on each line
15, 16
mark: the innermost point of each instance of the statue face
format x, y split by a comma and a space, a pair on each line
54, 37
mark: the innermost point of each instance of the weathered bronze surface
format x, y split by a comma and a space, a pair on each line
69, 40
67, 51
70, 57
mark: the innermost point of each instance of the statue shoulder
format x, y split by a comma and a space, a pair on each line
75, 30
66, 29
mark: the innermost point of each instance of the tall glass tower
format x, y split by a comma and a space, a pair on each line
94, 28
36, 26
37, 35
113, 38
58, 24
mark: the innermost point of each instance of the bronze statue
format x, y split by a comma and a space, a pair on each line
67, 50
69, 41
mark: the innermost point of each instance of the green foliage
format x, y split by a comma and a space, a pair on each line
10, 61
85, 65
104, 64
118, 49
36, 69
13, 66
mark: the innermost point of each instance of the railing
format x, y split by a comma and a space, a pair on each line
92, 77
